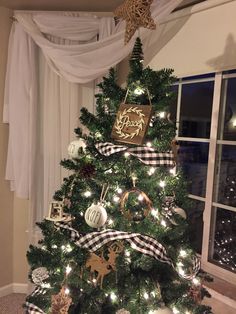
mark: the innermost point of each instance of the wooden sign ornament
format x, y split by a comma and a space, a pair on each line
131, 123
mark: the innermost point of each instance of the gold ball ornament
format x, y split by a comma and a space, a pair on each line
136, 13
75, 147
96, 216
135, 205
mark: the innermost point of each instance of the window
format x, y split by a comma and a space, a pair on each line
205, 114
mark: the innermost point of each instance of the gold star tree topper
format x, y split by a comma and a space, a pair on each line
136, 13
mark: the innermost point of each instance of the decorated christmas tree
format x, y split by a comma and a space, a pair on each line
116, 237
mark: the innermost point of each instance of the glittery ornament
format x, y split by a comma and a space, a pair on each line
136, 13
39, 275
60, 302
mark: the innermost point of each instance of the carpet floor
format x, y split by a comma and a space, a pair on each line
12, 304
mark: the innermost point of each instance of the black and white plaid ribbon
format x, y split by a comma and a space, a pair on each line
147, 155
95, 240
33, 309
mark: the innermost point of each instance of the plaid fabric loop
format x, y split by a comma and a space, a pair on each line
33, 309
146, 155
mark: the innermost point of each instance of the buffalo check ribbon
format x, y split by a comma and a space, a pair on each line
33, 309
139, 242
147, 155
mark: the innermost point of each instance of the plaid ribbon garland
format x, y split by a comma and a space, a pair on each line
141, 243
95, 240
146, 155
33, 309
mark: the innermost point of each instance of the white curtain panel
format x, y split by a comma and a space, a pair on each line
42, 117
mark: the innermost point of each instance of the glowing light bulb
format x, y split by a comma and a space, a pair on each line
110, 221
196, 281
127, 253
68, 248
163, 223
113, 296
151, 171
154, 213
63, 247
94, 280
183, 253
153, 293
87, 193
162, 114
162, 184
140, 197
68, 269
119, 190
126, 154
67, 291
181, 272
149, 144
138, 91
173, 171
146, 296
54, 246
116, 199
175, 310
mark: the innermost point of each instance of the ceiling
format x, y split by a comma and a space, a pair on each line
71, 5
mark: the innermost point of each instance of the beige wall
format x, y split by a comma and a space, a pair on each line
6, 197
206, 41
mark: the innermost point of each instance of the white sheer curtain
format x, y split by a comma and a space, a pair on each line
41, 121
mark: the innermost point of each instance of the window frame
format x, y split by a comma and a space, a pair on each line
213, 141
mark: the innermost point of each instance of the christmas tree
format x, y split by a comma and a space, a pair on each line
116, 237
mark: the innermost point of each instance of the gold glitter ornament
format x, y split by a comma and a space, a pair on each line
60, 302
136, 13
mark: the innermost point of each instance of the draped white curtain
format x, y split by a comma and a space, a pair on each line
43, 94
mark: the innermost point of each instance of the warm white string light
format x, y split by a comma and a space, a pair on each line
87, 193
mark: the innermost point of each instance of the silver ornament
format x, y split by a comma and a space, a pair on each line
39, 275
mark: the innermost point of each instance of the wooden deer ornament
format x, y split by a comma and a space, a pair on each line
102, 266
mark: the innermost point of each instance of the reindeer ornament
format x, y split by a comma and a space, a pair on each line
102, 266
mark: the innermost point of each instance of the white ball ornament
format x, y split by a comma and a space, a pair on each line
75, 146
96, 216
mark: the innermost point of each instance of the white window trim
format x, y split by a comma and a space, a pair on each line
208, 266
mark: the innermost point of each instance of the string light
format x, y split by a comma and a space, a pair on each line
68, 269
116, 199
140, 197
87, 193
175, 310
138, 91
94, 281
67, 291
54, 246
126, 154
151, 171
162, 184
196, 281
149, 144
127, 253
163, 223
162, 114
113, 296
183, 253
154, 212
119, 190
69, 248
146, 296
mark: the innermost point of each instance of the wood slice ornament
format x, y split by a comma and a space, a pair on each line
135, 205
131, 123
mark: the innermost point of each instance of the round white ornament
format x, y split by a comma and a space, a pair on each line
180, 212
96, 216
163, 310
74, 148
